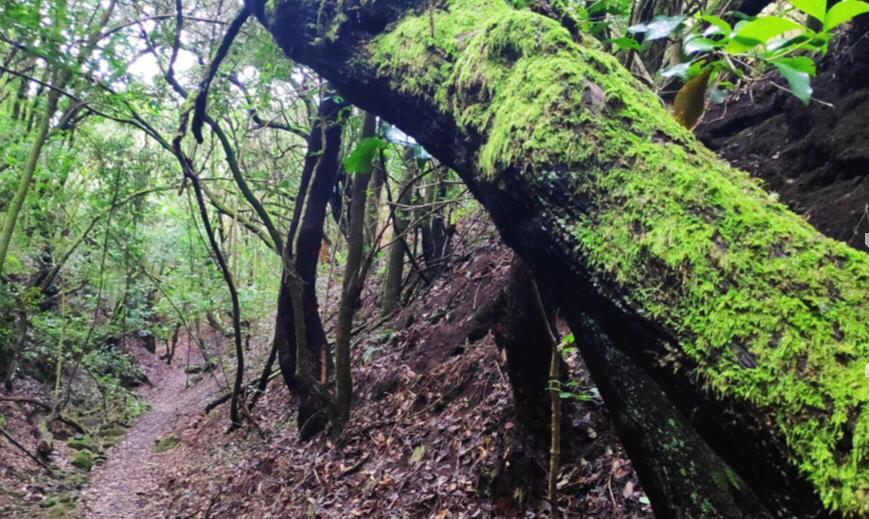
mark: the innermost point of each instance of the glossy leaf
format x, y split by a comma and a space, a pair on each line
800, 63
843, 12
659, 27
679, 70
699, 44
814, 8
362, 158
625, 43
760, 31
716, 25
798, 81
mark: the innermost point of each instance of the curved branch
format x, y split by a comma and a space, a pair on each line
202, 97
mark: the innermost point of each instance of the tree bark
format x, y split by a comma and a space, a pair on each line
318, 179
395, 253
26, 178
351, 287
660, 441
434, 232
688, 266
524, 335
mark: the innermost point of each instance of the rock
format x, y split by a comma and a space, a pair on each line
83, 460
82, 442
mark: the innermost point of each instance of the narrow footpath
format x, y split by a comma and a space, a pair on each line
122, 486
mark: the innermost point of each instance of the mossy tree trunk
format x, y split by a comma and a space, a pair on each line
351, 287
304, 240
749, 319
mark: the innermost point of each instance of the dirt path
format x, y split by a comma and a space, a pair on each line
120, 487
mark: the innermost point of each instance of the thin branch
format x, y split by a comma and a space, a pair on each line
157, 17
202, 97
41, 83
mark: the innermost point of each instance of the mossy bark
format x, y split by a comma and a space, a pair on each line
681, 474
685, 262
351, 289
303, 243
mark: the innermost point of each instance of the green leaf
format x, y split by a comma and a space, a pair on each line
799, 81
625, 43
13, 264
716, 25
760, 31
680, 70
698, 44
843, 12
814, 8
800, 63
778, 44
417, 454
659, 27
362, 157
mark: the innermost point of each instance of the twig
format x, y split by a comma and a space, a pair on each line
23, 449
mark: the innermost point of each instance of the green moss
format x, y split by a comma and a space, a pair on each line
166, 443
61, 505
770, 312
59, 510
82, 442
83, 460
111, 435
421, 50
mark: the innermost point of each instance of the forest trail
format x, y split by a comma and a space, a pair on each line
120, 487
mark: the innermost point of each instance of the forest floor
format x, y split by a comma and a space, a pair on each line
433, 431
121, 486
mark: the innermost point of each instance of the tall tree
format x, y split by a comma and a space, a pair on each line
354, 279
398, 246
304, 239
59, 75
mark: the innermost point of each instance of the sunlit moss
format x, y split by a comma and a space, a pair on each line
770, 311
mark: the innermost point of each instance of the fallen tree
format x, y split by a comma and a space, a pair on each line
751, 321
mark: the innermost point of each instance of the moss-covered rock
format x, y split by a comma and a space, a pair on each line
82, 442
166, 443
83, 460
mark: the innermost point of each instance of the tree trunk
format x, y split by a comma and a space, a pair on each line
318, 179
434, 233
524, 335
395, 255
11, 217
660, 441
739, 307
351, 287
